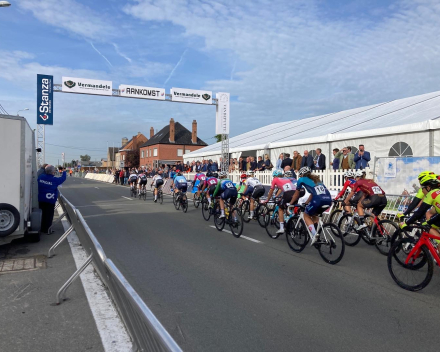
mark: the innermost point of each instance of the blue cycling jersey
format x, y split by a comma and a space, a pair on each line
316, 190
179, 179
226, 184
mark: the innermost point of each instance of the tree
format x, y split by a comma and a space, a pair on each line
73, 163
132, 158
85, 157
218, 137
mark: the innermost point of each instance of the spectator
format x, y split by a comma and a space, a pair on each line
361, 158
335, 163
319, 160
296, 163
279, 161
286, 162
242, 164
346, 159
253, 163
198, 166
204, 166
267, 163
349, 149
260, 164
117, 176
126, 176
214, 166
41, 170
307, 160
48, 195
121, 177
70, 172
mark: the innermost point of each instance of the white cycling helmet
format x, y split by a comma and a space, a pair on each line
358, 173
222, 174
288, 173
304, 170
250, 173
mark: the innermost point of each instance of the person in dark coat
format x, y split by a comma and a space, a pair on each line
48, 194
319, 162
307, 160
287, 161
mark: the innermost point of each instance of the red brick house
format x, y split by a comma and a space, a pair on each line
132, 146
169, 144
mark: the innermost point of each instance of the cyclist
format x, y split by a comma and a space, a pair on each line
241, 185
345, 191
289, 174
132, 179
180, 183
255, 189
319, 199
173, 173
226, 190
142, 181
285, 186
157, 182
201, 177
417, 201
211, 185
373, 197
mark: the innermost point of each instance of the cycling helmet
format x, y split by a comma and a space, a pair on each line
346, 174
358, 173
288, 174
429, 180
304, 170
350, 173
222, 174
215, 174
209, 174
179, 173
250, 173
424, 173
243, 176
277, 173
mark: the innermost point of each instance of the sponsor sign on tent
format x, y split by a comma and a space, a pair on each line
191, 96
142, 92
86, 86
44, 100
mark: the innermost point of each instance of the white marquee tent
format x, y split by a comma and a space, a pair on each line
404, 127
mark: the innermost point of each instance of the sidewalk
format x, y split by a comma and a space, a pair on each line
30, 319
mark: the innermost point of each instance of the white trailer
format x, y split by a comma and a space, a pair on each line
19, 213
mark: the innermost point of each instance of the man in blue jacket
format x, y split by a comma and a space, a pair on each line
48, 194
361, 158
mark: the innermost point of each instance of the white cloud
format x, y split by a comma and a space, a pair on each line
121, 54
101, 54
175, 67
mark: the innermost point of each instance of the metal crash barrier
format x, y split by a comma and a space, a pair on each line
146, 332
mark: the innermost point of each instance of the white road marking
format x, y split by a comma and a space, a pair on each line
126, 198
244, 237
111, 329
97, 187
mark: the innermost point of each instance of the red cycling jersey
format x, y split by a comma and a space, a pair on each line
283, 183
369, 187
348, 183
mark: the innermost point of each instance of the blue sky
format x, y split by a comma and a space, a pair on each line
280, 60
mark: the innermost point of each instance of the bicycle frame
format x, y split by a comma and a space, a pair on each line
424, 240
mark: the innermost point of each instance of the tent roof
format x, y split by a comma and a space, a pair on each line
396, 116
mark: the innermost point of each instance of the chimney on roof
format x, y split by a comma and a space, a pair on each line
151, 132
172, 131
139, 133
124, 141
194, 132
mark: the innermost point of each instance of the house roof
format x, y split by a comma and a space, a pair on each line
126, 144
182, 136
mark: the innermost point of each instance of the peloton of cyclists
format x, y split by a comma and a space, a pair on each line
226, 190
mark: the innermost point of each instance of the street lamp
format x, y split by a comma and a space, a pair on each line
4, 4
26, 109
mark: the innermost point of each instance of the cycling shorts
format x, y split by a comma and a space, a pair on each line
249, 191
355, 199
143, 182
258, 192
159, 182
132, 180
211, 189
182, 187
317, 206
287, 197
377, 202
231, 194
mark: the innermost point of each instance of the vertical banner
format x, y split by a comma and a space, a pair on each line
390, 168
222, 114
44, 100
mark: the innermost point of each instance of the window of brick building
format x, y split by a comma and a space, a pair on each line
179, 152
155, 152
142, 154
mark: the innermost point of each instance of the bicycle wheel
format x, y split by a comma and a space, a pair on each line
262, 210
272, 224
296, 234
245, 210
218, 222
369, 221
196, 200
412, 276
206, 210
161, 197
383, 235
236, 222
174, 199
184, 202
177, 202
331, 246
335, 217
346, 225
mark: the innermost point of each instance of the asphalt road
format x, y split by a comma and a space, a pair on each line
214, 292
